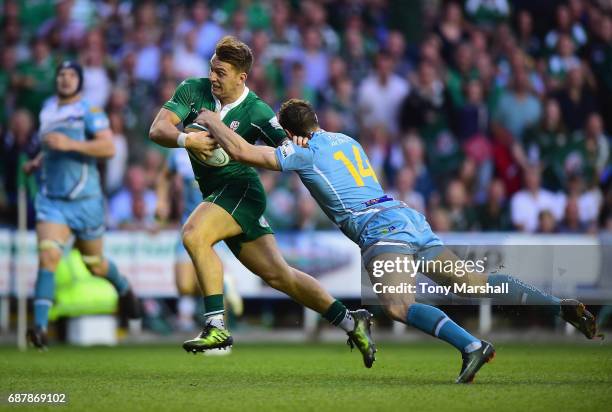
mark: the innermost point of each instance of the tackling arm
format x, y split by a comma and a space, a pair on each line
239, 149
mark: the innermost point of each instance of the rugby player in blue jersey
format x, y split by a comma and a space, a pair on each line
337, 173
74, 135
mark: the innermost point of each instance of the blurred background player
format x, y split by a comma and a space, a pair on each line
178, 173
337, 172
70, 200
234, 200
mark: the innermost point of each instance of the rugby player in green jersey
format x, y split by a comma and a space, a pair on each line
234, 200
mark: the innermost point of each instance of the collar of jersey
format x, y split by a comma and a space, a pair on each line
225, 109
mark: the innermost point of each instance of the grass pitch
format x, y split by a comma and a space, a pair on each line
296, 377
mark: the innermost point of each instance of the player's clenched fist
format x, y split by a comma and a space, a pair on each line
200, 143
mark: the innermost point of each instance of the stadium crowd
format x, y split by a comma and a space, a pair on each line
483, 115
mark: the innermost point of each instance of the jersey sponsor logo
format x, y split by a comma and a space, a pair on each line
263, 222
287, 149
274, 123
234, 125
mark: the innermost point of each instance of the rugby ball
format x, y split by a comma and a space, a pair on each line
218, 158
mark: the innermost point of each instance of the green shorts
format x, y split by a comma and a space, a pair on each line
246, 202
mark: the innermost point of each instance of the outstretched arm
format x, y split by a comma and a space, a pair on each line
238, 148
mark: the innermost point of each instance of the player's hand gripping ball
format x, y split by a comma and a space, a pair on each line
217, 158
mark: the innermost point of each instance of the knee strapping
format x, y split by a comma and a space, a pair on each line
49, 244
92, 260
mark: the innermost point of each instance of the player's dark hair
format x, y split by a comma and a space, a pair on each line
233, 51
298, 117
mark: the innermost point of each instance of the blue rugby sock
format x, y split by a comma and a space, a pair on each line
433, 321
520, 293
44, 291
118, 281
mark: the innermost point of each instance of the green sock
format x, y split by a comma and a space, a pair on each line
335, 313
214, 310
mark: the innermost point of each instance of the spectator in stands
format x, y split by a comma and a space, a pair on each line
314, 58
565, 25
208, 31
461, 72
526, 38
380, 94
601, 63
588, 199
187, 62
19, 144
461, 214
414, 157
396, 47
135, 202
35, 78
571, 222
494, 215
518, 108
487, 14
439, 220
576, 99
97, 83
69, 32
451, 29
563, 60
8, 66
426, 104
405, 191
526, 205
546, 144
547, 223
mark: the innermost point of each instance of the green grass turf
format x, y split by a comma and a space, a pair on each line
298, 377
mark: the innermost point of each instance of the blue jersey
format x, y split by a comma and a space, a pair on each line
70, 175
337, 173
179, 163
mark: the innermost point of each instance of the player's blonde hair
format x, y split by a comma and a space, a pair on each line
233, 51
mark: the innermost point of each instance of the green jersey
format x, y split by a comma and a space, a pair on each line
249, 116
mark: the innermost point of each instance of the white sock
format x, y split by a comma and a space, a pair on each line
348, 323
216, 321
472, 347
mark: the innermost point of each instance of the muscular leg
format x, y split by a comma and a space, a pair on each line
51, 239
207, 225
98, 265
519, 293
262, 257
401, 307
187, 287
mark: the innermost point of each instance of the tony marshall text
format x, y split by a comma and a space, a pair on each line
457, 288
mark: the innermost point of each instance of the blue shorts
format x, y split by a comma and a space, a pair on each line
85, 217
400, 230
